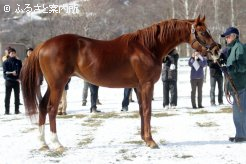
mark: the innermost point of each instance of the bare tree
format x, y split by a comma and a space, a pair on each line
232, 13
108, 19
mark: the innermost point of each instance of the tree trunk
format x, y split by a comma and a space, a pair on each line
173, 9
232, 13
186, 5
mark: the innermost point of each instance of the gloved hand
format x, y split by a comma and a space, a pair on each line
223, 69
172, 67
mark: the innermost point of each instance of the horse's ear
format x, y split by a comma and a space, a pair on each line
197, 20
203, 19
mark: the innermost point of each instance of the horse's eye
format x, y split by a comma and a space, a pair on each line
204, 33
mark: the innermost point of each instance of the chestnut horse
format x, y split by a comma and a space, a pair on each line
130, 61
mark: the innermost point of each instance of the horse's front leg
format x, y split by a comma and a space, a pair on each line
145, 112
140, 112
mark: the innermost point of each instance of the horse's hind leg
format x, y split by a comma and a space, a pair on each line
42, 119
55, 96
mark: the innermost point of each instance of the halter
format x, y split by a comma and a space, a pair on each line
200, 41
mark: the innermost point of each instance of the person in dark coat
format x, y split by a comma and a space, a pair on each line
236, 69
169, 79
11, 72
215, 77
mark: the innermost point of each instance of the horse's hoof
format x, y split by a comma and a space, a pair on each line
60, 149
152, 145
44, 148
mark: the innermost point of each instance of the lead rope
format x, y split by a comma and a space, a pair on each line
228, 95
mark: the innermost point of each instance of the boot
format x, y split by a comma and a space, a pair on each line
6, 111
124, 109
98, 102
131, 100
84, 103
17, 108
94, 110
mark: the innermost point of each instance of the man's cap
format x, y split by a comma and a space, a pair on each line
229, 31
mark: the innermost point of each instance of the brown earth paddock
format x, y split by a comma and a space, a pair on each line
130, 61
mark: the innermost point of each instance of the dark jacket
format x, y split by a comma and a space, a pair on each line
10, 65
236, 64
215, 70
167, 73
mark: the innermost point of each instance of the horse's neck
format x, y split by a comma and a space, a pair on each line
176, 37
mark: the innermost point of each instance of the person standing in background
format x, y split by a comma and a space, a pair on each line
29, 51
169, 79
11, 72
197, 63
85, 94
215, 77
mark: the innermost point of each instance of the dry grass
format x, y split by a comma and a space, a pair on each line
105, 115
11, 119
163, 142
88, 140
206, 124
92, 123
71, 116
55, 154
132, 115
222, 110
183, 156
201, 112
157, 115
225, 110
138, 142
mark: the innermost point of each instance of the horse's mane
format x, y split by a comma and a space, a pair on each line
165, 30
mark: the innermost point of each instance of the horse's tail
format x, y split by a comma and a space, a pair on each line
30, 77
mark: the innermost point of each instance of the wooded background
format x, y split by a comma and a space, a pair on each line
107, 19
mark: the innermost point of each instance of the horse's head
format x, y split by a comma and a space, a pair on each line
201, 40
